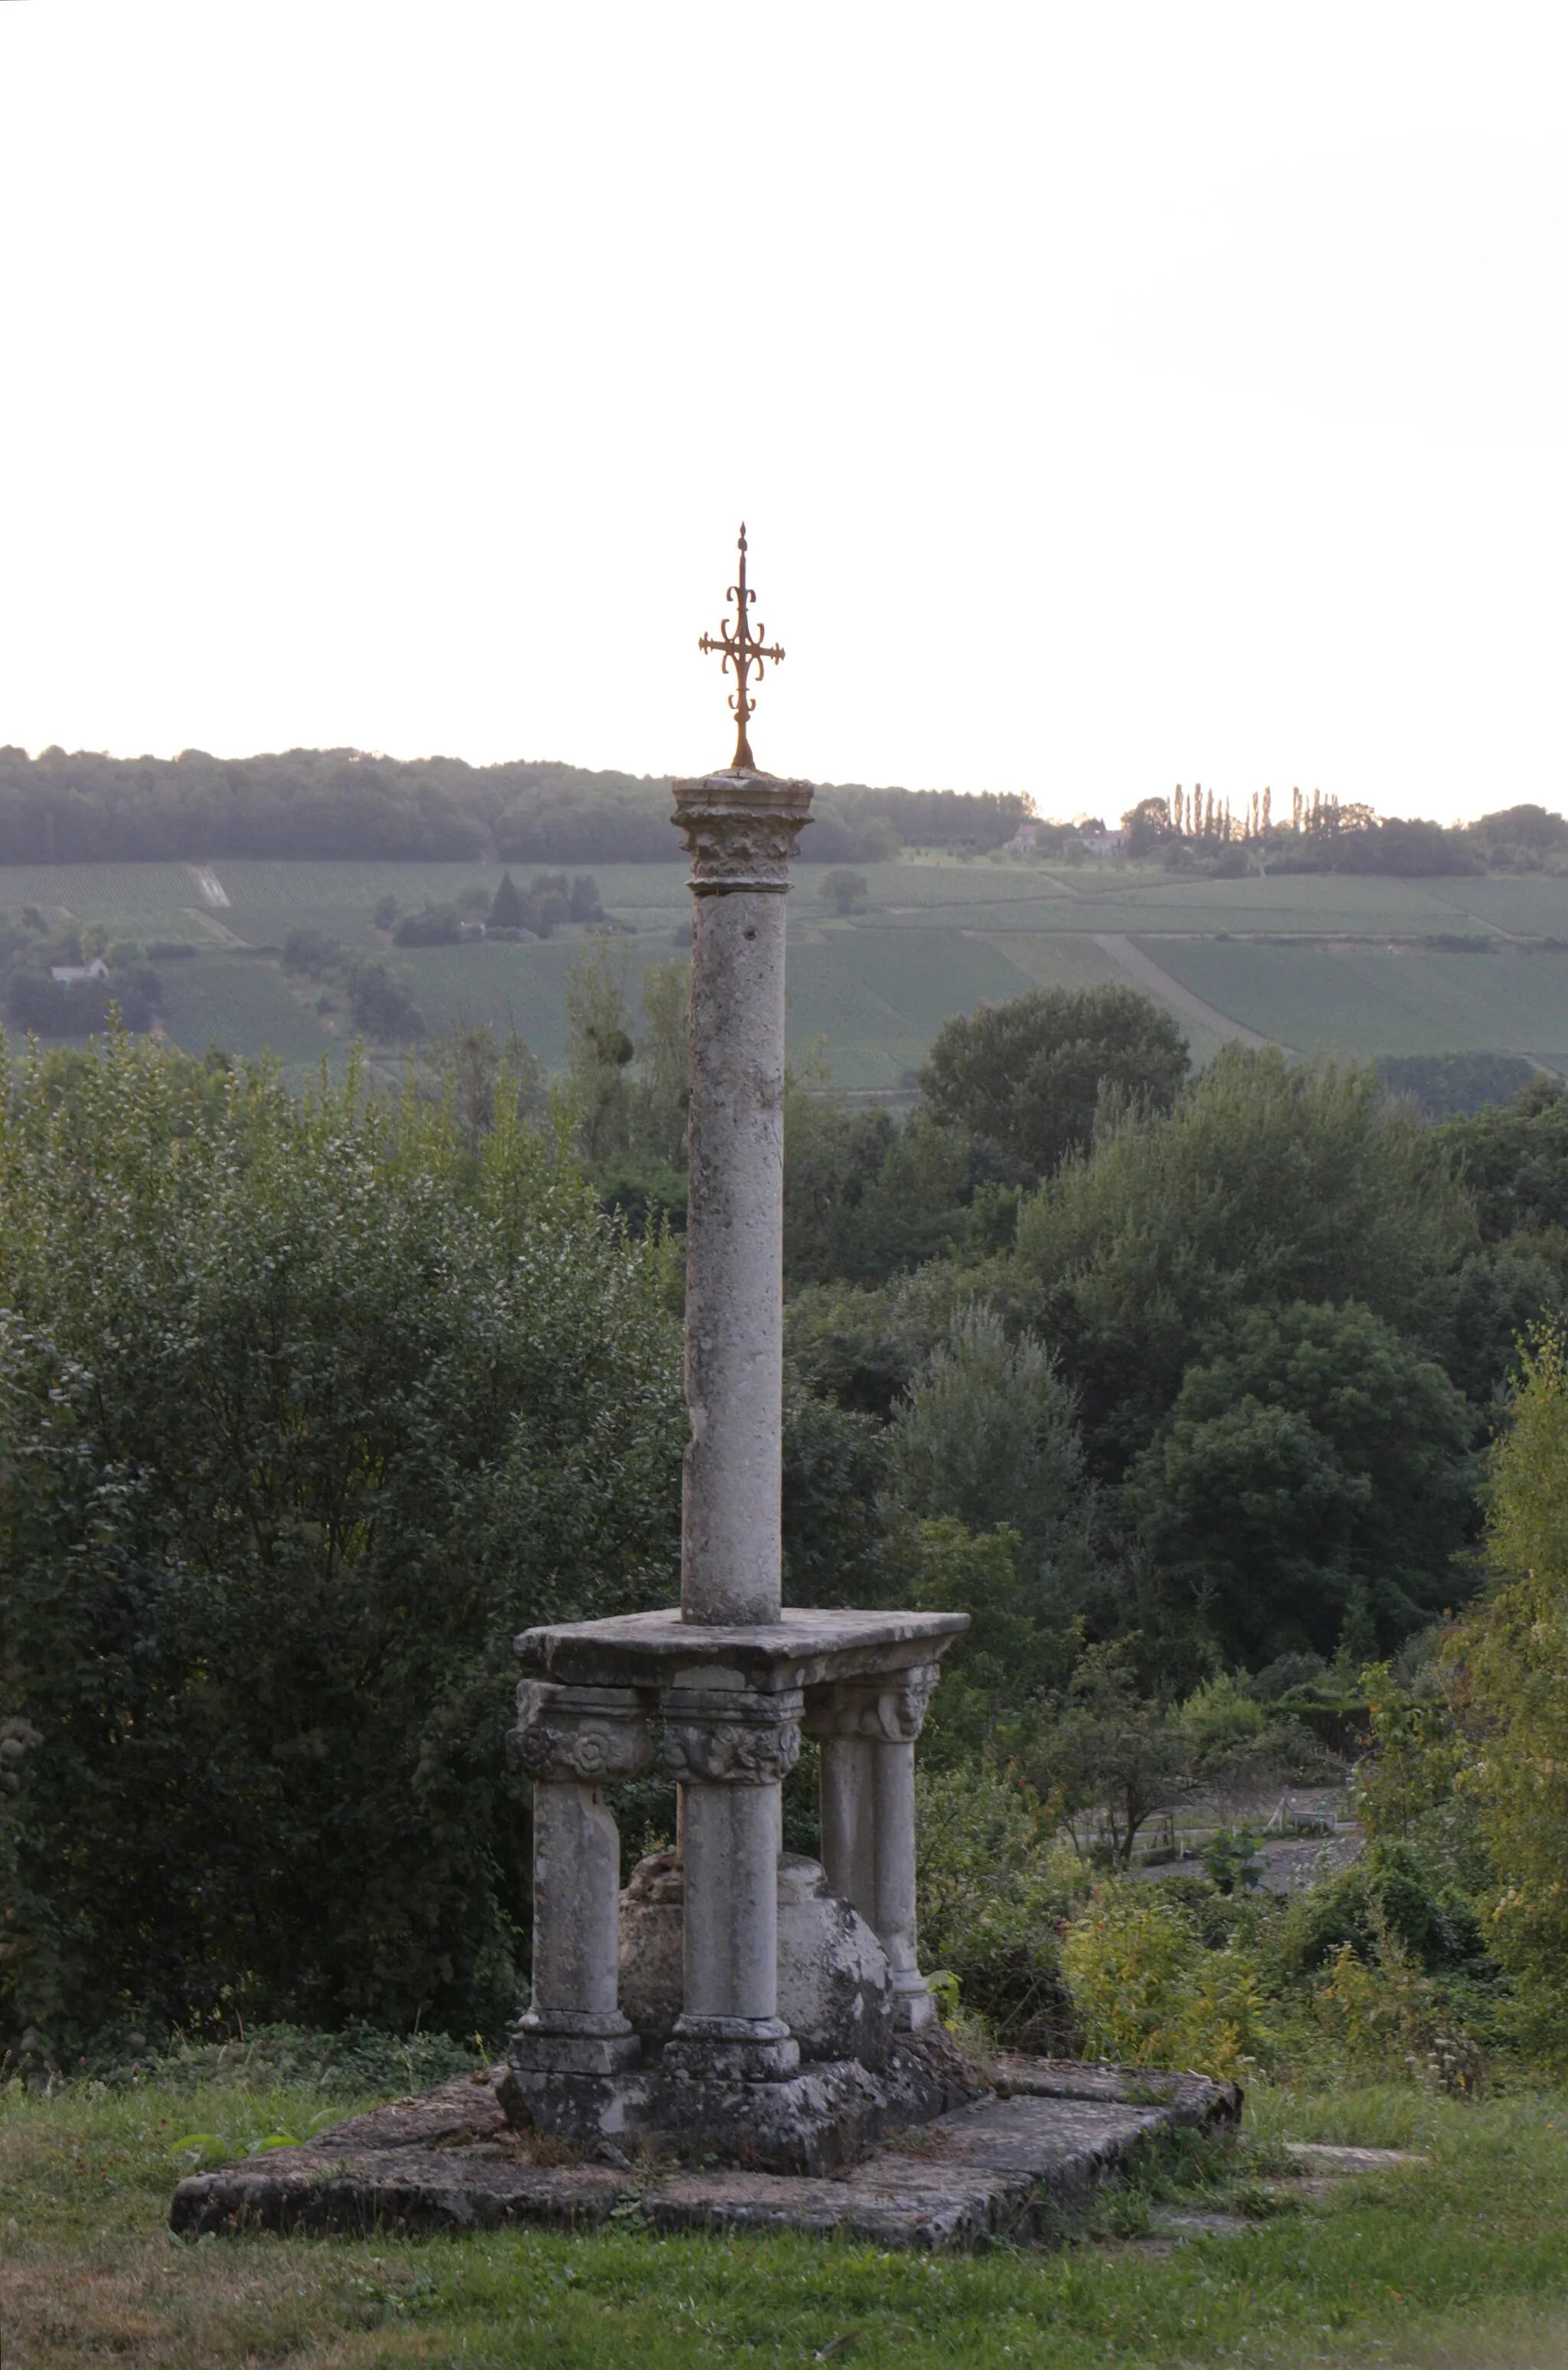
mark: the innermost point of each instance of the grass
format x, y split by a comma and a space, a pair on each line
1461, 2261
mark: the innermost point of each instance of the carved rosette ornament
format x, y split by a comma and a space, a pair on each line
724, 1738
888, 1711
740, 830
580, 1736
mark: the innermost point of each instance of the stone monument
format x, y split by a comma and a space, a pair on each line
758, 2009
664, 2009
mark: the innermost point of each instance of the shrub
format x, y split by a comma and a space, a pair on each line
994, 1891
1509, 1660
1147, 1992
305, 1410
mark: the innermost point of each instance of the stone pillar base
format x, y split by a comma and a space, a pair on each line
913, 2008
817, 2120
564, 2044
732, 2049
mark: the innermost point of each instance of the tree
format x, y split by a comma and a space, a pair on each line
434, 925
601, 1048
843, 891
1513, 1159
987, 1436
1112, 1752
1316, 1474
866, 1196
505, 906
661, 1090
381, 1004
1148, 826
1029, 1077
303, 1413
1267, 1184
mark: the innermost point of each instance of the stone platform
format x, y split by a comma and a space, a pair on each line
1006, 2166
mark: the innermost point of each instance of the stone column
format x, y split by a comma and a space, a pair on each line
740, 830
573, 1741
866, 1729
730, 1750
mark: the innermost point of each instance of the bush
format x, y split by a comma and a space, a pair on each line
304, 1411
1509, 1663
1147, 1992
1389, 1895
994, 1891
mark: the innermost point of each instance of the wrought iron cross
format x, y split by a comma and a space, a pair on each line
745, 649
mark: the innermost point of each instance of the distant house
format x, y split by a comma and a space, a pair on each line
1104, 843
471, 929
1022, 840
67, 974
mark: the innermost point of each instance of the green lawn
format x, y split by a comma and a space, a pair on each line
1459, 2260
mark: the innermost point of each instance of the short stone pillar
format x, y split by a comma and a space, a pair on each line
730, 1749
865, 1730
573, 1741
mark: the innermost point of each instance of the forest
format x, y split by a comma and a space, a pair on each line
1230, 1406
60, 808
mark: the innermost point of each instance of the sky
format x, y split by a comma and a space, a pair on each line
1116, 396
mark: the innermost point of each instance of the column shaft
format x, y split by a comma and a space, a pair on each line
576, 1880
731, 1896
730, 1749
848, 1853
735, 1260
572, 1741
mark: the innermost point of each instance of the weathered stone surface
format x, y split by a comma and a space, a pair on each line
832, 1972
578, 2108
455, 2113
390, 2190
954, 2214
926, 2075
992, 2166
1191, 2098
1064, 2145
813, 2121
805, 1647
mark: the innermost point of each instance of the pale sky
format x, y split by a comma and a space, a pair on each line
1116, 395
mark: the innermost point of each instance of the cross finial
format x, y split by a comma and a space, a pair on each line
747, 650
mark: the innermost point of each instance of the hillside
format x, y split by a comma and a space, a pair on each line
1319, 962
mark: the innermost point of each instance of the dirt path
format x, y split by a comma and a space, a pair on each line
213, 889
219, 929
1171, 990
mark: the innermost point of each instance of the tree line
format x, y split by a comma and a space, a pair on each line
1194, 827
60, 807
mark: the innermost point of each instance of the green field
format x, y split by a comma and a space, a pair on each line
1319, 963
1365, 998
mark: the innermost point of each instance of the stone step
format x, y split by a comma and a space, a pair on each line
1004, 2167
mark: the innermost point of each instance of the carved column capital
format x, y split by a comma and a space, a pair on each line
887, 1710
583, 1736
740, 830
720, 1737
